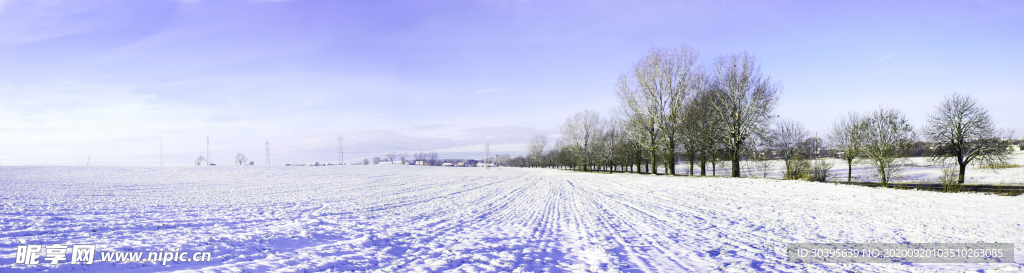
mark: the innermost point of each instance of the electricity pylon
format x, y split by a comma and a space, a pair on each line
341, 151
267, 144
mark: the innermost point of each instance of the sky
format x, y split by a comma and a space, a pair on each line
122, 82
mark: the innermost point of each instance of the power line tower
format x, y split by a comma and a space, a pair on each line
88, 161
341, 150
487, 154
268, 151
161, 152
207, 150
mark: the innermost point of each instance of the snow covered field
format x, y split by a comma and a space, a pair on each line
415, 218
916, 170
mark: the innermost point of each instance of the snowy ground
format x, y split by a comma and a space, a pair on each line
915, 170
416, 218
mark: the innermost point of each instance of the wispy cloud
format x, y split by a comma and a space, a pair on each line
887, 57
491, 90
429, 127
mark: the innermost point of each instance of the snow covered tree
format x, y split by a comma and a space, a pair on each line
376, 160
701, 129
962, 132
200, 161
786, 138
580, 133
652, 96
241, 159
846, 135
745, 102
887, 137
536, 150
420, 156
761, 153
432, 159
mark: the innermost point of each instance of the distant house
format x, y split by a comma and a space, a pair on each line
447, 164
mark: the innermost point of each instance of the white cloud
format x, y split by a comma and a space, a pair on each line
887, 57
491, 90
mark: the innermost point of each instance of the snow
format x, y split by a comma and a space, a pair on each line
419, 218
915, 170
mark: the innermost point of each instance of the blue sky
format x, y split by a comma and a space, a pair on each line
108, 79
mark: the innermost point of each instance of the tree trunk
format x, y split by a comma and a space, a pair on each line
736, 162
671, 162
638, 159
963, 169
691, 163
849, 170
714, 167
654, 161
703, 165
885, 182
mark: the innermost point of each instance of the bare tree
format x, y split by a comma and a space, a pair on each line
200, 161
652, 95
391, 157
432, 158
810, 147
240, 159
847, 136
610, 145
366, 161
403, 155
421, 157
887, 137
745, 102
502, 160
518, 161
761, 154
786, 138
536, 149
963, 132
376, 160
580, 133
701, 128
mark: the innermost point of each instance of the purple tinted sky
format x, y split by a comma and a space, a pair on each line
108, 79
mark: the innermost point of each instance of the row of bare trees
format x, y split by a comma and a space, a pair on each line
672, 108
959, 131
428, 158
